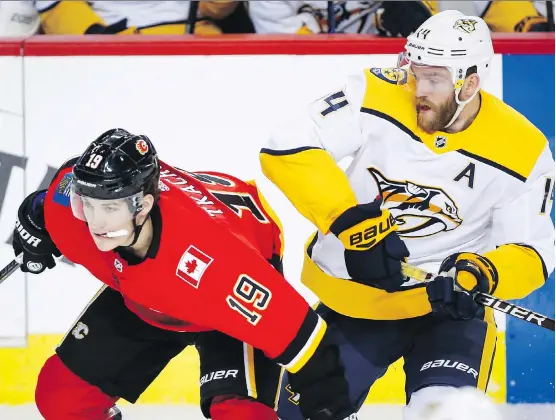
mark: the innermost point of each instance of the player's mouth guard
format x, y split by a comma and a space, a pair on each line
117, 233
404, 62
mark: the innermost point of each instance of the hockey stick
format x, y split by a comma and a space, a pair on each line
192, 17
331, 17
487, 300
550, 15
8, 270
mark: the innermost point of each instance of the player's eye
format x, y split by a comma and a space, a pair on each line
110, 209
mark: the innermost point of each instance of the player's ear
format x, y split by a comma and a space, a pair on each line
147, 205
470, 85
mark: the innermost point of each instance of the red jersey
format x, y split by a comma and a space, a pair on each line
208, 267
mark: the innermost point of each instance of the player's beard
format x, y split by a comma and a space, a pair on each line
438, 117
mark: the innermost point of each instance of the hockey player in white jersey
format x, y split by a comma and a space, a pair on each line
390, 18
443, 174
147, 17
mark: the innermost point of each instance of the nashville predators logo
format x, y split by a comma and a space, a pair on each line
418, 210
392, 75
465, 25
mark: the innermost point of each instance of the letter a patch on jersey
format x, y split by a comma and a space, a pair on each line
193, 264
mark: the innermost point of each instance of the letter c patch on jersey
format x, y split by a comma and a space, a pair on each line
193, 264
393, 75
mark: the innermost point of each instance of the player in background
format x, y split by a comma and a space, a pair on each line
505, 16
145, 17
187, 259
443, 174
388, 18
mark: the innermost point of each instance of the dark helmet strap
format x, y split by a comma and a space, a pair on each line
137, 229
136, 232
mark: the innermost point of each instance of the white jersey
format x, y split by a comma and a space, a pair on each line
311, 16
138, 13
478, 191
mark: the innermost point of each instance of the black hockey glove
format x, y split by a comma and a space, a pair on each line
31, 238
374, 251
322, 386
401, 18
532, 24
460, 276
120, 27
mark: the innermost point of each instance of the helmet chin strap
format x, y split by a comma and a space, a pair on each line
136, 231
461, 104
137, 228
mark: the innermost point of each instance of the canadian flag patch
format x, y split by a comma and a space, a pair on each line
193, 264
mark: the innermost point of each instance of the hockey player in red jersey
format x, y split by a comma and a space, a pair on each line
187, 259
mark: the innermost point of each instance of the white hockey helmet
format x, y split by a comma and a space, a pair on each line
453, 40
18, 18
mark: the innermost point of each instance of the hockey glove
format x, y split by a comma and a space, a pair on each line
373, 250
460, 276
31, 238
532, 24
322, 386
401, 18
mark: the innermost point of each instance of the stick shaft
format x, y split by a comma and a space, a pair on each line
487, 300
8, 270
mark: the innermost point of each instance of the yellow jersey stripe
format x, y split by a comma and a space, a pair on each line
309, 349
488, 351
249, 365
321, 199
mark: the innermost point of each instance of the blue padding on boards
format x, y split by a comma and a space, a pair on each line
529, 88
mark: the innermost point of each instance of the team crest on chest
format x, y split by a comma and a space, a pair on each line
419, 210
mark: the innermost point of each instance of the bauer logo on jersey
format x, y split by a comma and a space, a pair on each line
142, 146
392, 75
62, 192
465, 25
193, 264
419, 210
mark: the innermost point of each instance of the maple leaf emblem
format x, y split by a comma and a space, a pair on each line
191, 266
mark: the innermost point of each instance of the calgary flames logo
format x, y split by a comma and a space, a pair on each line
465, 25
419, 210
142, 146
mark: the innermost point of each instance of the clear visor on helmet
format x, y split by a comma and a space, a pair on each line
429, 79
105, 214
